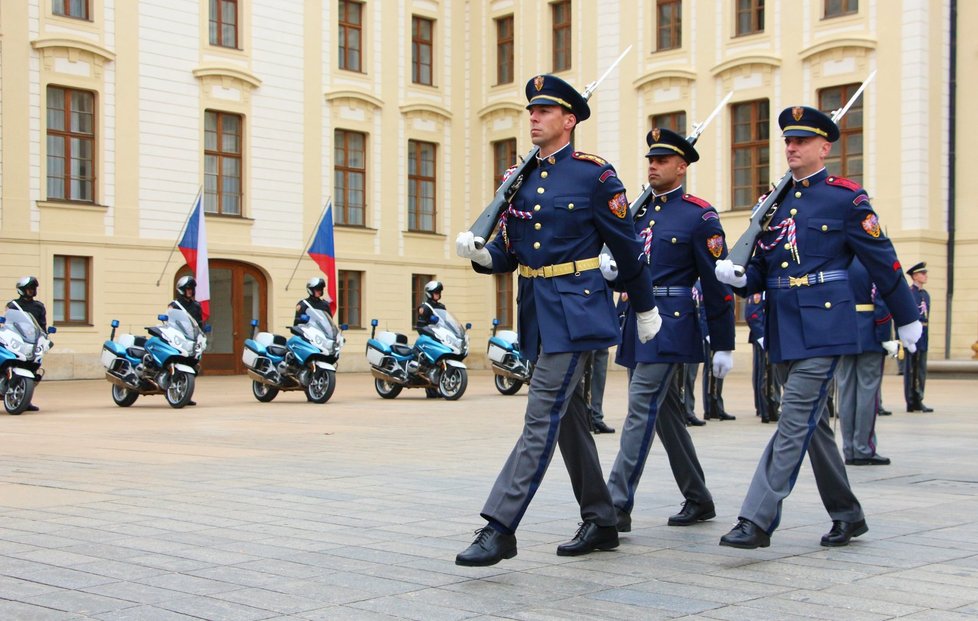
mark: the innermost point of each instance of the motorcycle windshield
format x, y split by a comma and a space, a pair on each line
23, 324
447, 321
321, 321
184, 323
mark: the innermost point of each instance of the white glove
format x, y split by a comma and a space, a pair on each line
608, 267
722, 363
725, 274
760, 342
891, 348
465, 248
909, 335
648, 323
707, 337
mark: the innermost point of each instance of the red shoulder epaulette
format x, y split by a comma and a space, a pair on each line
696, 200
587, 157
842, 182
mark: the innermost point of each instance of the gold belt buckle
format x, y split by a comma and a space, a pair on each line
801, 281
548, 271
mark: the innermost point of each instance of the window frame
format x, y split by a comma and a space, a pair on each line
840, 159
65, 292
561, 16
66, 9
842, 11
217, 37
345, 294
345, 206
503, 156
219, 196
417, 180
675, 121
674, 28
503, 285
505, 49
67, 136
755, 13
418, 45
418, 281
760, 171
344, 26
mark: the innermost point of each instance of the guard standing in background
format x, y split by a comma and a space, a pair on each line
569, 206
767, 393
915, 363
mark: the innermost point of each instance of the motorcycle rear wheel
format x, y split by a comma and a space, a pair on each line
20, 391
387, 390
263, 392
452, 383
180, 389
123, 397
322, 385
507, 385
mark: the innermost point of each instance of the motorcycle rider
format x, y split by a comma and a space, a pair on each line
27, 288
316, 287
432, 300
185, 300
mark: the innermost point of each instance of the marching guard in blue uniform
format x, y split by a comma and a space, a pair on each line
915, 363
801, 262
566, 209
682, 241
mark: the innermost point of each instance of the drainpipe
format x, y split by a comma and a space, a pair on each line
951, 131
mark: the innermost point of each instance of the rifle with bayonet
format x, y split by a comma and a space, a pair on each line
741, 252
487, 220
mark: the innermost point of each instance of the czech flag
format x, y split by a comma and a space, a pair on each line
323, 252
194, 249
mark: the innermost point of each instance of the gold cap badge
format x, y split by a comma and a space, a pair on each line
538, 82
796, 113
655, 135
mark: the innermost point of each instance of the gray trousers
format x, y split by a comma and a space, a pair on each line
599, 377
654, 407
556, 414
859, 378
803, 427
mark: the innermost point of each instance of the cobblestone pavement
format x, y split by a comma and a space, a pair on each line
355, 509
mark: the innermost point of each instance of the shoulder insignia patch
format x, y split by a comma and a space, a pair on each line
842, 182
606, 175
618, 205
862, 198
871, 225
710, 215
699, 202
715, 245
587, 157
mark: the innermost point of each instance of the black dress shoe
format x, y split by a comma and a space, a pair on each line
590, 537
692, 421
925, 409
883, 412
624, 522
842, 532
875, 460
725, 416
601, 427
746, 535
490, 547
32, 408
692, 513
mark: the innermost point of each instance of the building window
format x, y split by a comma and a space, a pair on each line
350, 35
70, 8
418, 281
504, 50
750, 17
838, 8
750, 152
669, 24
503, 156
222, 163
224, 23
673, 121
846, 157
562, 35
349, 306
71, 290
422, 46
350, 177
421, 186
71, 145
504, 299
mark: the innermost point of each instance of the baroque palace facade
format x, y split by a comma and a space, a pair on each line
115, 113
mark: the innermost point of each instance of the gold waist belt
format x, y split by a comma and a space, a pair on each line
560, 269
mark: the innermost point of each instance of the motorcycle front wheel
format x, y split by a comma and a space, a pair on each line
123, 397
263, 392
20, 391
322, 385
452, 383
180, 389
507, 385
387, 390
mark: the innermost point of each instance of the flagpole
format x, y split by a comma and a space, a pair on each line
180, 235
302, 252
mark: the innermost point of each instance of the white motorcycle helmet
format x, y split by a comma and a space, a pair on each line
316, 283
431, 289
25, 283
186, 282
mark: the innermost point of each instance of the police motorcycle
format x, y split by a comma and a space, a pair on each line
166, 363
434, 362
306, 361
510, 369
22, 345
